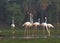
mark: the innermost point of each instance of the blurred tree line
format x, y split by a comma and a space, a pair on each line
20, 9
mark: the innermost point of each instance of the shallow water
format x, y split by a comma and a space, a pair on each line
31, 37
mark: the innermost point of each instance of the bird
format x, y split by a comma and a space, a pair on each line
44, 24
13, 25
27, 25
47, 25
35, 25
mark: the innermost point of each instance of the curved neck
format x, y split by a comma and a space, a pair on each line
45, 19
39, 20
12, 20
31, 18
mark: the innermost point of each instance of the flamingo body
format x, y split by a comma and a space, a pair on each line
36, 23
27, 24
50, 25
13, 25
44, 24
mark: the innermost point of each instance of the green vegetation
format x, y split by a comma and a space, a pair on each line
21, 8
39, 40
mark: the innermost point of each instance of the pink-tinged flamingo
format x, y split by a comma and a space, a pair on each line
36, 24
27, 25
47, 25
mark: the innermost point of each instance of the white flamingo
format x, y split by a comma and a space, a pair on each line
44, 25
36, 24
13, 25
47, 25
27, 25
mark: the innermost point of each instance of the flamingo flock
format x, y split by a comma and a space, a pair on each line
28, 25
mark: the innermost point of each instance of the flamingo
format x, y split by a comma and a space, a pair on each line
44, 25
47, 25
36, 24
27, 25
13, 25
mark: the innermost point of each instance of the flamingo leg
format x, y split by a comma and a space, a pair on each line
36, 30
25, 32
13, 32
33, 32
43, 30
49, 32
29, 31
